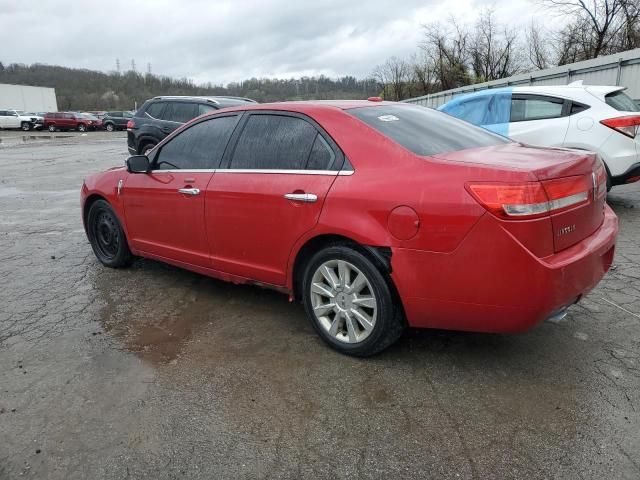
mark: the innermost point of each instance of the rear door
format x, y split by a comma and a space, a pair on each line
69, 120
269, 193
538, 119
117, 118
164, 209
122, 122
177, 113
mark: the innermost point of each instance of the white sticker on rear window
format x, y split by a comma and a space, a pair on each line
388, 118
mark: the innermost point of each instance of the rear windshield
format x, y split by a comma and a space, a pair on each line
621, 101
425, 131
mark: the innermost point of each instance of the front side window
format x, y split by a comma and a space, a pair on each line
198, 147
472, 111
425, 131
274, 142
535, 108
180, 112
621, 102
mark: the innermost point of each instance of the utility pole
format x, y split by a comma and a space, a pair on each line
149, 68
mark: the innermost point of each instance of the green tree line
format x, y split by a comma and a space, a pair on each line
81, 89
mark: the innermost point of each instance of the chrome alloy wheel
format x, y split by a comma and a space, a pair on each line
343, 301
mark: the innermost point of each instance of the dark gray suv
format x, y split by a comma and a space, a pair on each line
116, 120
160, 116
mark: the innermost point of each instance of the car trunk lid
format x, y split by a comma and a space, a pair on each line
568, 187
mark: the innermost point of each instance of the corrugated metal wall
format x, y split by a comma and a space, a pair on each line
619, 69
31, 99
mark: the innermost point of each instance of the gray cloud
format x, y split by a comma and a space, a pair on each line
222, 41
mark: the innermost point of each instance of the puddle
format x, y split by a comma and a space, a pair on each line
18, 140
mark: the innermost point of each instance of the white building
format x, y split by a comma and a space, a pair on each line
30, 99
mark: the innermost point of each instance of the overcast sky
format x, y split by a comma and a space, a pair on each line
223, 41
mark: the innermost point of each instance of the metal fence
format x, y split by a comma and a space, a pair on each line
618, 69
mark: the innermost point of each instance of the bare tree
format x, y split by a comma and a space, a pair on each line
495, 51
597, 28
537, 43
423, 74
630, 35
393, 75
447, 46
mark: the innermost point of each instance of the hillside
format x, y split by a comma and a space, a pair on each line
80, 89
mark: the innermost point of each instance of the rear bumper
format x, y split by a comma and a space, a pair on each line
492, 283
631, 175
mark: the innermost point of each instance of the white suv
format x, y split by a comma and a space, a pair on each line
601, 119
19, 119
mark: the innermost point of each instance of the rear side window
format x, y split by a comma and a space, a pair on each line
621, 102
425, 131
577, 108
204, 108
198, 147
155, 110
180, 112
535, 108
274, 142
321, 156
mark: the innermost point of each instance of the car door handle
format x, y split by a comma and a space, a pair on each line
302, 197
189, 191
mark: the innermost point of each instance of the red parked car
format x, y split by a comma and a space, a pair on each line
71, 121
375, 215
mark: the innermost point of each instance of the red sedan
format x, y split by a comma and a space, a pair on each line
376, 215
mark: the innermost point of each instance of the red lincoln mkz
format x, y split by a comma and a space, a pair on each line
376, 215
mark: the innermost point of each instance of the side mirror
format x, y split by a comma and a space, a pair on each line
138, 164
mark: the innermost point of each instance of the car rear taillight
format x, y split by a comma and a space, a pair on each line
626, 125
532, 199
601, 180
131, 124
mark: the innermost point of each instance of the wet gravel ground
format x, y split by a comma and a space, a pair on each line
154, 372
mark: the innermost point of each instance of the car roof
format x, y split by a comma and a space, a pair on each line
218, 100
563, 90
314, 105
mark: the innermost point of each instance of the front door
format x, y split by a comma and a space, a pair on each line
269, 194
164, 209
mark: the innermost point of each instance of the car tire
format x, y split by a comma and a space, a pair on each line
362, 318
25, 126
146, 147
107, 238
82, 127
110, 127
51, 128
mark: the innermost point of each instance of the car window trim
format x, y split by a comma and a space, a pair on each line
266, 171
338, 162
188, 126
